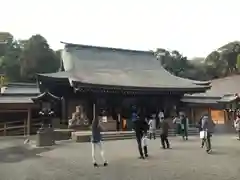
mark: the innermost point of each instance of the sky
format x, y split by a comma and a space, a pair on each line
193, 27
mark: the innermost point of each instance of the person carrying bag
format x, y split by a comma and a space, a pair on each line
237, 125
207, 126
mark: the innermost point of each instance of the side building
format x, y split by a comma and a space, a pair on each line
110, 81
221, 102
18, 113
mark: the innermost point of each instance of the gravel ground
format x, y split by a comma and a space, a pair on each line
72, 161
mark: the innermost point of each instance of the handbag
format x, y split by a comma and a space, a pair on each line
144, 141
203, 134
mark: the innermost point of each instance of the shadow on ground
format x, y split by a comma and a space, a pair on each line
218, 153
20, 153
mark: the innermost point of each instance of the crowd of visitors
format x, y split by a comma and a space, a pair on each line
145, 128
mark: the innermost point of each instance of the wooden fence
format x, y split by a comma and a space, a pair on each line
13, 128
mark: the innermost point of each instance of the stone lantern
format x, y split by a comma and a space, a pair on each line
47, 102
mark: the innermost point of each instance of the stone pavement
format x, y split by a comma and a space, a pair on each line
72, 161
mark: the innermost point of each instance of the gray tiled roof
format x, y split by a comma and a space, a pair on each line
18, 93
228, 98
223, 86
200, 100
209, 99
118, 67
20, 89
16, 99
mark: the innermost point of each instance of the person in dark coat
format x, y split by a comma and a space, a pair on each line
140, 128
199, 126
164, 134
208, 125
184, 125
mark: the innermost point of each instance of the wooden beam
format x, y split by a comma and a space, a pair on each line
13, 110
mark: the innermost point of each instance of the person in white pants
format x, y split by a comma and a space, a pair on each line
97, 142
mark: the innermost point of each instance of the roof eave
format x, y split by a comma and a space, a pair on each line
199, 89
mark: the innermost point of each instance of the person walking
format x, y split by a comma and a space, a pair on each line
207, 126
160, 116
139, 127
184, 125
145, 138
237, 125
202, 133
152, 127
96, 140
177, 123
164, 134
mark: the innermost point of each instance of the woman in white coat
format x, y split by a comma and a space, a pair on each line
152, 127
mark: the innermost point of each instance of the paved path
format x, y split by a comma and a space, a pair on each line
72, 161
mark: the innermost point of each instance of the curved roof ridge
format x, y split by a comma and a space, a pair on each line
102, 66
67, 45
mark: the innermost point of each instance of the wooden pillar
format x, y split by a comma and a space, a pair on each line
192, 116
25, 127
225, 117
94, 111
64, 118
209, 112
29, 122
5, 129
119, 119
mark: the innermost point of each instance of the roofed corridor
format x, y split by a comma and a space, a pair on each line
186, 161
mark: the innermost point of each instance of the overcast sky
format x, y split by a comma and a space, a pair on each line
194, 27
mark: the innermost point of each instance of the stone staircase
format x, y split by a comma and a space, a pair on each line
131, 134
85, 136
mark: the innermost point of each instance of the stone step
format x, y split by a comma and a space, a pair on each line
132, 135
120, 135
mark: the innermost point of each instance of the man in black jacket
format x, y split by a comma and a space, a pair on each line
164, 134
208, 125
140, 127
199, 126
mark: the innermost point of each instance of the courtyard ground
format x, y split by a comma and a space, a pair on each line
72, 161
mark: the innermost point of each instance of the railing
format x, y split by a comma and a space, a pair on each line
19, 127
